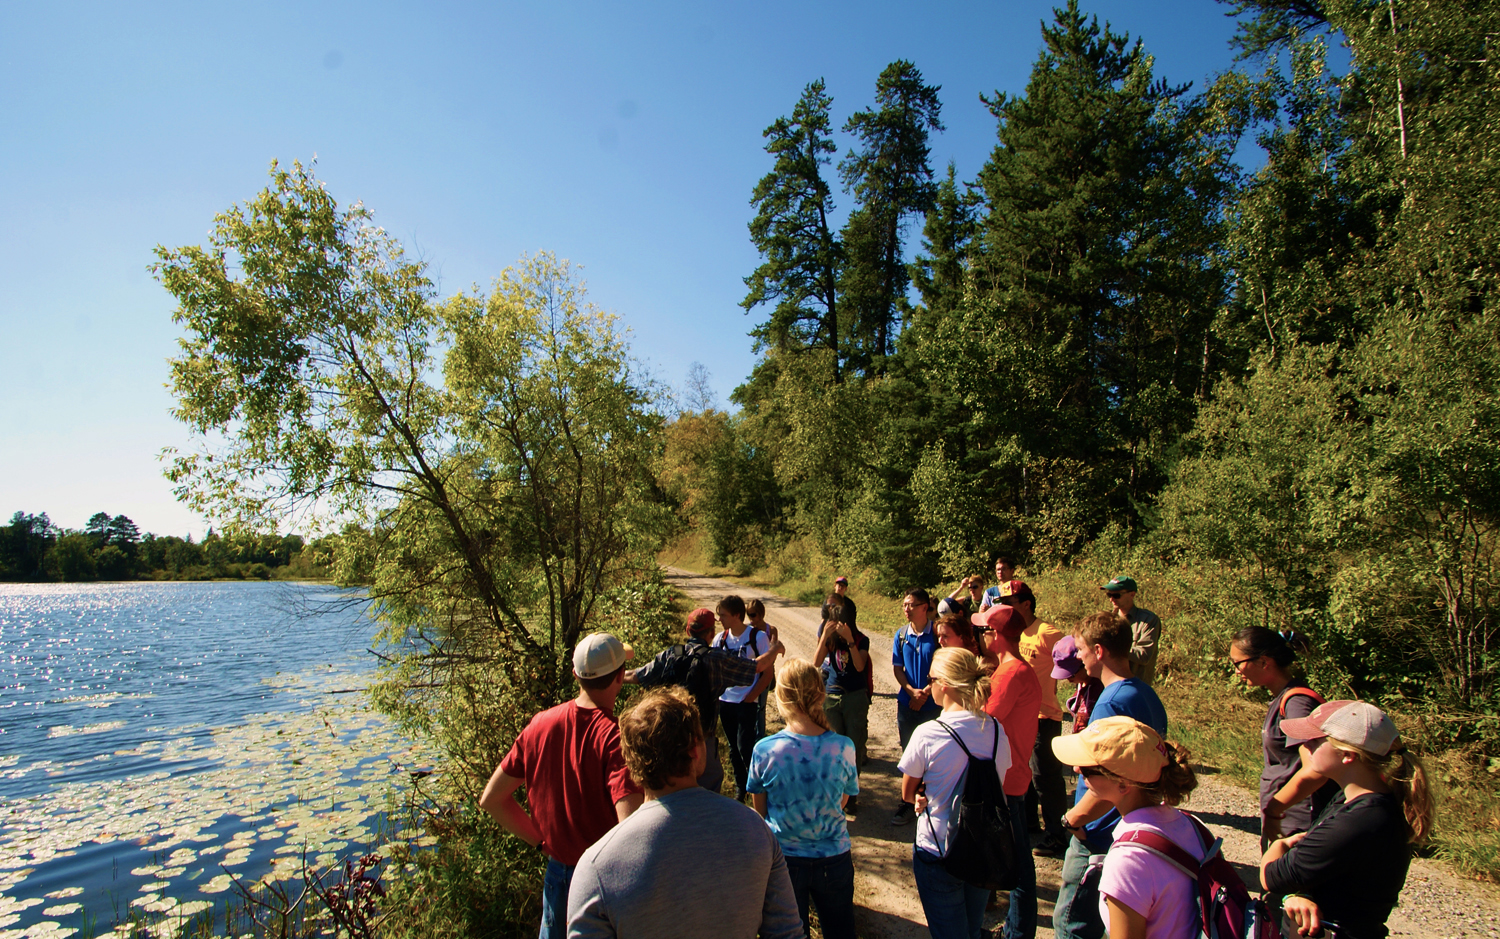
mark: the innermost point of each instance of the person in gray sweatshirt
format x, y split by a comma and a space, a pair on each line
662, 872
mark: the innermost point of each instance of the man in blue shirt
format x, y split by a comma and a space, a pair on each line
1104, 647
912, 650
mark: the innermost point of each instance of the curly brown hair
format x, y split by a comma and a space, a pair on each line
657, 736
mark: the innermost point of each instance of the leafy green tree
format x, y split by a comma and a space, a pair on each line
792, 231
890, 175
500, 505
71, 560
24, 544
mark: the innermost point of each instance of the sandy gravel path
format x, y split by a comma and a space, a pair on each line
1436, 904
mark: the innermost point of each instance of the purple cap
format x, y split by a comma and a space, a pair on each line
1065, 660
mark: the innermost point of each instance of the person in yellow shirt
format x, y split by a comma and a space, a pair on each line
1047, 788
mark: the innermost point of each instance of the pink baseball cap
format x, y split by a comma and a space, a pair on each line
1357, 723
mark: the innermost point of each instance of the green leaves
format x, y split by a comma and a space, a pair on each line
488, 459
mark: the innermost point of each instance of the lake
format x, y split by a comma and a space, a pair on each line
157, 738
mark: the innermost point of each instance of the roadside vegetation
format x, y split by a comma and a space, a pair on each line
1270, 396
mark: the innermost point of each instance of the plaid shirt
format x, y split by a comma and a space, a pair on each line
725, 670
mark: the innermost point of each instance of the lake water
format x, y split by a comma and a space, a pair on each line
156, 739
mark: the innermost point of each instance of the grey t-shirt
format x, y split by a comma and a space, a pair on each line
1283, 760
689, 864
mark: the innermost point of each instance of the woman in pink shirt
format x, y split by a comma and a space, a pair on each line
1142, 895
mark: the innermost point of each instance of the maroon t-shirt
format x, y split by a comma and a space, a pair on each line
574, 771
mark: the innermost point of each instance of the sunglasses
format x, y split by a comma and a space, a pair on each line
1089, 772
1114, 595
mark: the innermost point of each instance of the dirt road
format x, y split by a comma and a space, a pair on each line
1434, 905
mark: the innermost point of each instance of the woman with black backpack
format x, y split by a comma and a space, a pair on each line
936, 759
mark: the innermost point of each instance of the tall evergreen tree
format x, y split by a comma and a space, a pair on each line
891, 179
792, 232
939, 272
1097, 258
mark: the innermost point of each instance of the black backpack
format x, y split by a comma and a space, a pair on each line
981, 846
687, 665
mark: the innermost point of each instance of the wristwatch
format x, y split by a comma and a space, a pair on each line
1070, 827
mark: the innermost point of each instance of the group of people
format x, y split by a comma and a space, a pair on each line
635, 832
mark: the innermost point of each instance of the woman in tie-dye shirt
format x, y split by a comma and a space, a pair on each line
799, 780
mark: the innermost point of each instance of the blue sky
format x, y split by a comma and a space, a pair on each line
625, 137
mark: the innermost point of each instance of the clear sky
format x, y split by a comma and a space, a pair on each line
625, 137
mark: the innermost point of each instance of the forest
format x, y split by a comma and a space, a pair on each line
1275, 388
110, 547
1269, 394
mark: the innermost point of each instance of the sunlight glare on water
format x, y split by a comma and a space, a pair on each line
157, 738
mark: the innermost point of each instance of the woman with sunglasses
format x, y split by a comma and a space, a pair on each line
1347, 871
1264, 658
1142, 895
1016, 702
934, 757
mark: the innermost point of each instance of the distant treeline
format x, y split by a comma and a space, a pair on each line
111, 547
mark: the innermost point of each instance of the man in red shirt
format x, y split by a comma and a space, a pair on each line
576, 781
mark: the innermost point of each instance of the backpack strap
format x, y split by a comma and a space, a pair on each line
1165, 848
957, 740
1293, 692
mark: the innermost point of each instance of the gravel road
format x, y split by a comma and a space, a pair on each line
1436, 904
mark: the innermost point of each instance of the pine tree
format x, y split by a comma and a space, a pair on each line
939, 272
791, 230
890, 176
1096, 262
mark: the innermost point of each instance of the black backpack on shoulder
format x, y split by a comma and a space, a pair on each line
688, 666
981, 846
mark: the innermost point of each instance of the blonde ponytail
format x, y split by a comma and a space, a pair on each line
960, 670
799, 687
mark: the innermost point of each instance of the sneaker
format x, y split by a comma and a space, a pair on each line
851, 808
904, 815
1051, 846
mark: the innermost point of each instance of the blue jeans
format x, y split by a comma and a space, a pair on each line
954, 909
555, 900
828, 884
1020, 922
1076, 913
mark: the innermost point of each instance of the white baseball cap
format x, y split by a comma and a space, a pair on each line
600, 654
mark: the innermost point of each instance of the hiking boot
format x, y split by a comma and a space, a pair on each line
851, 808
904, 815
1051, 846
